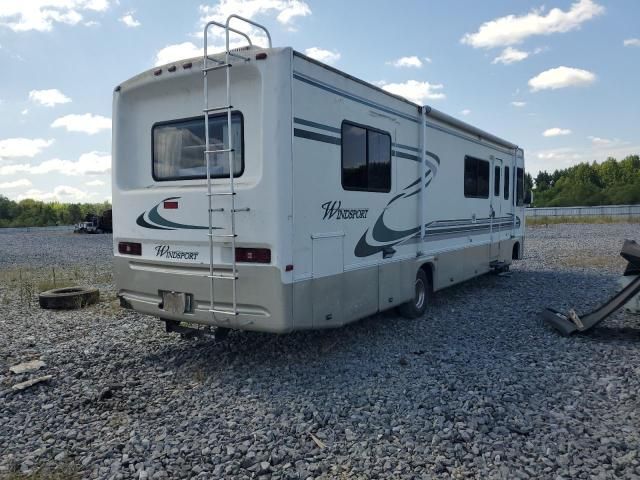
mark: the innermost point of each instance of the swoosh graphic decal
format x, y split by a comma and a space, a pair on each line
156, 218
382, 233
143, 223
161, 223
388, 237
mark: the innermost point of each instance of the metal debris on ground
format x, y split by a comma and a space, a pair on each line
25, 367
30, 383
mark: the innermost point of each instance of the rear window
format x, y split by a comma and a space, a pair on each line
178, 148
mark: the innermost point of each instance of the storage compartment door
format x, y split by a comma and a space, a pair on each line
396, 283
327, 279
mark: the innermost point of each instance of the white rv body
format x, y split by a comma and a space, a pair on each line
336, 254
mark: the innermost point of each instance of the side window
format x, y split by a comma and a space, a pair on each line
520, 186
366, 159
476, 178
354, 157
496, 181
506, 183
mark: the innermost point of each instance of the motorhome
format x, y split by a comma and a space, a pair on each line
260, 189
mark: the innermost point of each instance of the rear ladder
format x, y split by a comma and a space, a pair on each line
221, 149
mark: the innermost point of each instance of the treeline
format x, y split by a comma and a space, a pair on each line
611, 182
34, 213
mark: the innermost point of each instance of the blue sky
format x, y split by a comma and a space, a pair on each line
560, 79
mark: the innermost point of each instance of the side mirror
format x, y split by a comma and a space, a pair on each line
528, 197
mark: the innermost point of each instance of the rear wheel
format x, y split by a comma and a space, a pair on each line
418, 305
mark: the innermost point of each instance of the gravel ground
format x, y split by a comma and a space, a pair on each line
477, 389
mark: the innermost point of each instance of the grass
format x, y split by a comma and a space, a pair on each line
66, 471
597, 219
593, 261
29, 282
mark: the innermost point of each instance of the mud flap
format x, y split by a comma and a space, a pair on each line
572, 322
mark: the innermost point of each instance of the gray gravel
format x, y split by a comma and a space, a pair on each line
477, 389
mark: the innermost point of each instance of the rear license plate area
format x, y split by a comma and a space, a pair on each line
177, 302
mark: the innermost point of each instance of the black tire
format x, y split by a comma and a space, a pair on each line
68, 298
418, 305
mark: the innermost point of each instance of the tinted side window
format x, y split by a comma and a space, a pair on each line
506, 183
496, 181
483, 179
366, 159
520, 186
354, 157
470, 185
379, 161
476, 177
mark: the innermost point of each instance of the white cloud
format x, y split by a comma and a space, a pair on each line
565, 153
326, 56
410, 62
24, 111
23, 182
94, 183
48, 98
632, 42
518, 104
87, 123
415, 91
41, 15
61, 193
510, 55
176, 52
561, 77
92, 163
292, 9
598, 151
465, 112
129, 21
600, 141
427, 59
22, 147
285, 10
556, 132
512, 29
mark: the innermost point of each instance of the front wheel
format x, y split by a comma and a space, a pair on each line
418, 305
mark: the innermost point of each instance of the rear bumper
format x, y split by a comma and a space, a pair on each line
264, 302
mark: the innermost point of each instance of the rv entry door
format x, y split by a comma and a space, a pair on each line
495, 206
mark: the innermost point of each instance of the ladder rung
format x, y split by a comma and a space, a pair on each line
216, 209
216, 67
222, 235
224, 150
229, 276
223, 311
217, 109
235, 210
238, 56
220, 193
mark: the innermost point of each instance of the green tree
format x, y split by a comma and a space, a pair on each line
34, 213
607, 183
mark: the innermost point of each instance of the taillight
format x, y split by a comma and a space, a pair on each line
253, 255
130, 248
169, 205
